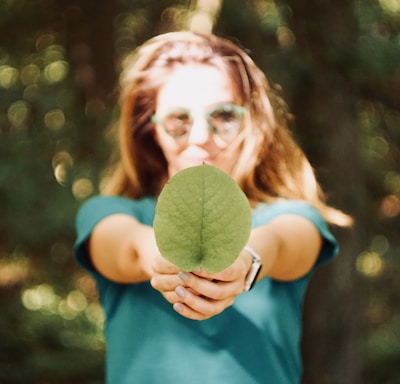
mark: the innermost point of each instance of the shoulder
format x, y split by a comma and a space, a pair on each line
99, 207
264, 212
102, 206
119, 203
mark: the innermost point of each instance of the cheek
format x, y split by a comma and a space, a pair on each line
230, 159
166, 143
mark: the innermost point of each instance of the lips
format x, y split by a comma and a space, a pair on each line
198, 161
207, 159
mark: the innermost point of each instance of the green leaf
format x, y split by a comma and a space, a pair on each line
203, 219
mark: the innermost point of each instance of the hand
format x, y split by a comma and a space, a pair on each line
199, 295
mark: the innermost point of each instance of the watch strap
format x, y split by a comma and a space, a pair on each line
255, 268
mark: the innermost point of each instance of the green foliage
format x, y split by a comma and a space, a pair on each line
45, 338
202, 220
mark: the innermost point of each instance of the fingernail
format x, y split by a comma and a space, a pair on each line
197, 270
183, 276
178, 307
180, 291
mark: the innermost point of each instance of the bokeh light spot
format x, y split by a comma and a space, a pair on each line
62, 161
13, 272
380, 244
44, 41
41, 297
54, 119
8, 76
370, 264
285, 36
30, 74
392, 6
390, 206
82, 188
77, 301
18, 113
56, 71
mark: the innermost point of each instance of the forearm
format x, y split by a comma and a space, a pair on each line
288, 246
120, 248
266, 245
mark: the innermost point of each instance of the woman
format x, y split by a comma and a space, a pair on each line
188, 99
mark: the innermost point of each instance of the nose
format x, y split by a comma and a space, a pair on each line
199, 134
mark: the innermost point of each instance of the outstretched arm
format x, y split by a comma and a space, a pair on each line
125, 251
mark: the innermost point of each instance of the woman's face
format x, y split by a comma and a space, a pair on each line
195, 102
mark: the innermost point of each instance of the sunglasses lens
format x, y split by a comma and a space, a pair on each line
225, 119
178, 124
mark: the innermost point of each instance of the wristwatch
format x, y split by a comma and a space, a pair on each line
255, 269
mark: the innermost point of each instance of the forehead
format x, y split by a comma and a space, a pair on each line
194, 86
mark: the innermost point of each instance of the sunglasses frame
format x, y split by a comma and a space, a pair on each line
224, 107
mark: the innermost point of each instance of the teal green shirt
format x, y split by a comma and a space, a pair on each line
256, 340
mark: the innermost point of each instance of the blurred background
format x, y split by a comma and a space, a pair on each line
337, 65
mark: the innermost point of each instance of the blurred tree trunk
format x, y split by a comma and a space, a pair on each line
326, 113
89, 37
89, 34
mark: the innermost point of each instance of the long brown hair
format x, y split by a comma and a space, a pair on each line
271, 165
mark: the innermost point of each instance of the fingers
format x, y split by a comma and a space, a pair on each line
166, 285
198, 307
209, 287
198, 295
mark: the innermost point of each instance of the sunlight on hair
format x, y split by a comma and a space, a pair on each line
204, 16
310, 183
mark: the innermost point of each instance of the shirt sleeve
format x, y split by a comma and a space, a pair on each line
98, 208
264, 213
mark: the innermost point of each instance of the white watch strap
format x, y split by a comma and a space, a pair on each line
254, 270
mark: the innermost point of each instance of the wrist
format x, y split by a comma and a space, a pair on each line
145, 250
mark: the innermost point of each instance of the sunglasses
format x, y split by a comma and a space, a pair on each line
223, 120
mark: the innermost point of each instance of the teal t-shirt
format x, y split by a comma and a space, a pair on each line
256, 340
